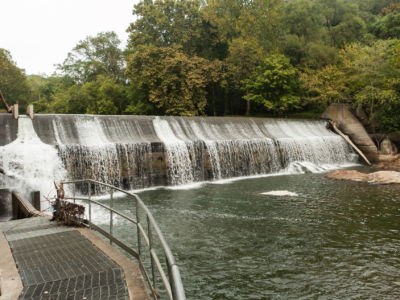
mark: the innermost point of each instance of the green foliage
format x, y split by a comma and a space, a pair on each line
171, 23
387, 26
274, 84
13, 82
94, 56
325, 86
216, 57
175, 82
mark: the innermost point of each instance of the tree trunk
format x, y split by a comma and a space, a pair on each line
248, 108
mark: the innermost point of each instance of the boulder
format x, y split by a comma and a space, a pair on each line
362, 116
351, 126
380, 177
386, 147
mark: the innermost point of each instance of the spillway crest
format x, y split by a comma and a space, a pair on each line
141, 151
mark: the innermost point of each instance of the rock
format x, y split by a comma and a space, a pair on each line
380, 177
386, 147
392, 164
351, 126
362, 116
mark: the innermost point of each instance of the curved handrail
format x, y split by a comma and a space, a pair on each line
173, 284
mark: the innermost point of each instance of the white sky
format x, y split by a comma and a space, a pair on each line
40, 33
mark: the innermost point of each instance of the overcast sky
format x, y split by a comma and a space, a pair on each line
40, 33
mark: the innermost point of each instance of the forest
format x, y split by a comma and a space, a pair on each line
229, 57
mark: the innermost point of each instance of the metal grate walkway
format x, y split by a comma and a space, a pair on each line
57, 262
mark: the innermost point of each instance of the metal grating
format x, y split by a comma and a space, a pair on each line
62, 264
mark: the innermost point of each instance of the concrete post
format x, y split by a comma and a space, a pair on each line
15, 111
15, 207
36, 200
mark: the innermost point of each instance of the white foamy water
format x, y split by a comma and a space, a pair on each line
280, 193
180, 169
136, 153
31, 164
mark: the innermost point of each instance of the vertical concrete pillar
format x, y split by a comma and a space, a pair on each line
15, 207
36, 200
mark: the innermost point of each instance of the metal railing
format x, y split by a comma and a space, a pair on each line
172, 283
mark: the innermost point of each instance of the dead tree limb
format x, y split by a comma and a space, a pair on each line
349, 141
8, 108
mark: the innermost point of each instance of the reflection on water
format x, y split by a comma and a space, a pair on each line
335, 240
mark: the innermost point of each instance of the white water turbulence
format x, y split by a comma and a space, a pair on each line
29, 164
180, 169
280, 193
108, 151
136, 152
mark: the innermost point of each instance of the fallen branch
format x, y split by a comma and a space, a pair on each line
349, 141
8, 108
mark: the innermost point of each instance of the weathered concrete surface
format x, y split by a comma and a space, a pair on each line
6, 213
10, 282
351, 126
8, 129
380, 177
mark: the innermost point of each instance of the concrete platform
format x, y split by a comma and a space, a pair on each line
59, 262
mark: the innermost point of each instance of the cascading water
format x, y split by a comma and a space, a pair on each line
135, 152
180, 170
106, 152
28, 163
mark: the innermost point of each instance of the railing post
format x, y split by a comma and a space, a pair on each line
90, 203
150, 234
111, 213
139, 239
74, 191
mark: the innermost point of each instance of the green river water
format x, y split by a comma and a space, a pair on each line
335, 240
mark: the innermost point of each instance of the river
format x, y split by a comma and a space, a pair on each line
327, 240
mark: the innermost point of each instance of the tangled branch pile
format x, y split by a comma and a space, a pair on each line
70, 214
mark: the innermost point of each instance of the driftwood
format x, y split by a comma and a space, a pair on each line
334, 126
70, 214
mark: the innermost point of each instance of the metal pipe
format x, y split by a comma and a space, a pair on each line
111, 213
153, 271
139, 240
162, 273
90, 204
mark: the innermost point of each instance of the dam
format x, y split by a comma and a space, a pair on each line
136, 152
283, 231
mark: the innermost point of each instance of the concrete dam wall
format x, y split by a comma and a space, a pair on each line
142, 151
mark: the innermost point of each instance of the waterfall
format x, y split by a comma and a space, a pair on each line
180, 169
135, 152
108, 152
28, 163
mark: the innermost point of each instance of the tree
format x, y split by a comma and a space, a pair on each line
303, 19
274, 84
94, 56
391, 8
258, 19
13, 82
325, 86
171, 23
244, 56
43, 88
173, 81
341, 21
387, 26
